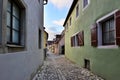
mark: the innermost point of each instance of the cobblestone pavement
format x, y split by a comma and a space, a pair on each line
59, 68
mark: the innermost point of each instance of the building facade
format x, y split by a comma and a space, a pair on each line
92, 36
50, 46
45, 39
21, 41
61, 44
56, 44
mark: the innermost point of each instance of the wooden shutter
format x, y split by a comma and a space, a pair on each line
117, 18
94, 40
80, 37
71, 41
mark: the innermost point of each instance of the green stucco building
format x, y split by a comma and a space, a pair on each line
92, 36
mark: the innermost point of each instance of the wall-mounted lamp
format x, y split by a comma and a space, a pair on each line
45, 2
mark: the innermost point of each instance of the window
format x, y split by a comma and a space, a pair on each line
70, 21
74, 41
87, 64
13, 23
66, 27
85, 3
106, 32
39, 1
40, 39
77, 10
78, 39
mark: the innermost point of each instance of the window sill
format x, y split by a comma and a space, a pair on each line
108, 47
85, 8
77, 17
15, 46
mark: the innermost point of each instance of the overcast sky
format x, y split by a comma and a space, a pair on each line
55, 13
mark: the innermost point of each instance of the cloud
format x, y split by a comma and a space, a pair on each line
51, 34
53, 30
59, 22
61, 3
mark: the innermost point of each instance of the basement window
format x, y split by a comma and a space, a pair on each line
87, 64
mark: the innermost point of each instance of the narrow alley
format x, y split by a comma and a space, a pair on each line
57, 67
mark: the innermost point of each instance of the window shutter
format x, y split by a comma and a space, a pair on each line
80, 37
94, 36
117, 17
71, 41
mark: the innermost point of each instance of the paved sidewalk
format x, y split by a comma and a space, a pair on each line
58, 68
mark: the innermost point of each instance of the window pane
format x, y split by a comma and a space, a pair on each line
107, 26
76, 41
112, 24
15, 37
15, 24
15, 11
8, 19
106, 38
9, 6
112, 36
85, 3
8, 34
77, 10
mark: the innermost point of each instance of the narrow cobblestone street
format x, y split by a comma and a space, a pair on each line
59, 68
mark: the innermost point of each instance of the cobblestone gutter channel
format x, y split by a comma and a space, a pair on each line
59, 68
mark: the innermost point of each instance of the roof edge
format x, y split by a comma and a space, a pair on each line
70, 10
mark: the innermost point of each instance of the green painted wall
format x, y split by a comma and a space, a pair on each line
103, 62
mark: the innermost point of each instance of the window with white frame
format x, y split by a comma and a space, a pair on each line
106, 31
85, 3
77, 10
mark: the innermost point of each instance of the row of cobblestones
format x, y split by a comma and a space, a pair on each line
74, 72
59, 68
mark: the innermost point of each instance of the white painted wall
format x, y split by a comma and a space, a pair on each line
20, 65
0, 22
